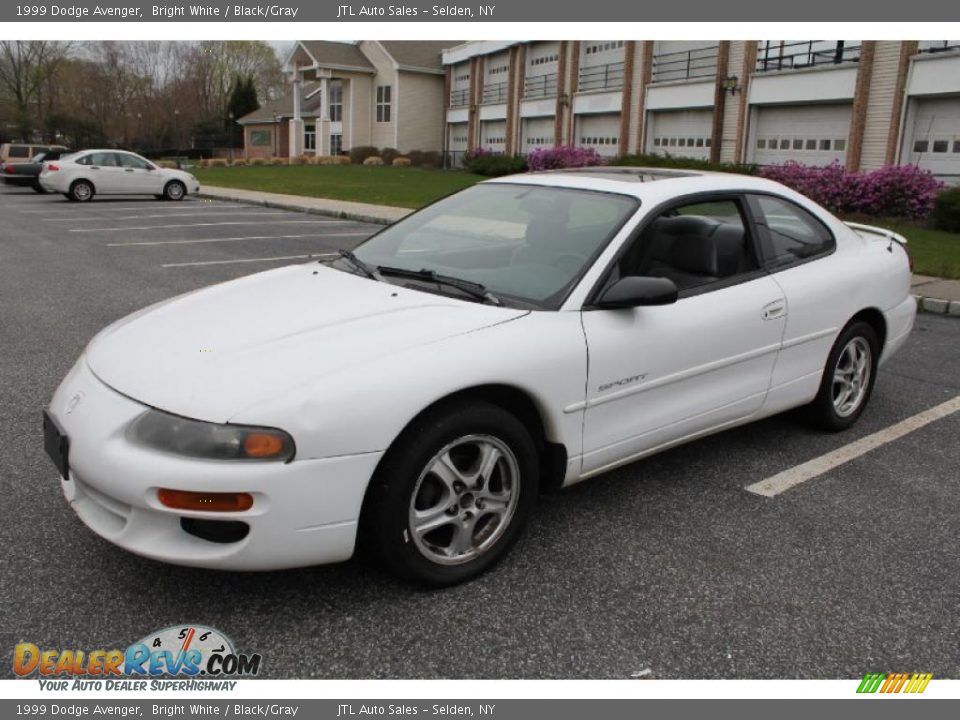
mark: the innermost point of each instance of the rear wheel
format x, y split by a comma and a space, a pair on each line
174, 190
848, 378
81, 191
453, 494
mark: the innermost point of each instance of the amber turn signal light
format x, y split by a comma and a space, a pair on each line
209, 502
263, 445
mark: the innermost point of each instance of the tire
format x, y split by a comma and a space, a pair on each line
848, 378
68, 196
174, 190
39, 189
81, 191
433, 515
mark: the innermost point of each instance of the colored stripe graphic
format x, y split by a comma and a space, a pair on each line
888, 683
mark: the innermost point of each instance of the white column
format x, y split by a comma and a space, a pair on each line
296, 123
323, 118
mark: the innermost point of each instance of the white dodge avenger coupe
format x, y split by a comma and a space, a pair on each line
417, 394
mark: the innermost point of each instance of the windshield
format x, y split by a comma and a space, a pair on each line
526, 243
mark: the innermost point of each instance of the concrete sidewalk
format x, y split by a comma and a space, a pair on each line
363, 212
933, 294
937, 295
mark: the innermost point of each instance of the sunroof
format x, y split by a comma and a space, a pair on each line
627, 173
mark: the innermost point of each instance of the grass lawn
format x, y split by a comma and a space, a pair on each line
401, 187
934, 252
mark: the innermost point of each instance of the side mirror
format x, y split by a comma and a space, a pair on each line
637, 291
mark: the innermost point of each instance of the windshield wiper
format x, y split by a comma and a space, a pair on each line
367, 270
474, 289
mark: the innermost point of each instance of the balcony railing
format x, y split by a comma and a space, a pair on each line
540, 86
696, 64
602, 77
495, 93
805, 54
935, 46
459, 98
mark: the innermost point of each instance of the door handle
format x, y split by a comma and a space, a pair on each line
128, 170
774, 310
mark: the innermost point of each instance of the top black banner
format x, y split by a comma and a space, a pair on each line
498, 11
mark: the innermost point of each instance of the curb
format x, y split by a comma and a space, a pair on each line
937, 306
282, 205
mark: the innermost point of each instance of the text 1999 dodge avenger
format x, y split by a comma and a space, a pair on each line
417, 394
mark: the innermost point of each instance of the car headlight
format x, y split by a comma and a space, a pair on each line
210, 441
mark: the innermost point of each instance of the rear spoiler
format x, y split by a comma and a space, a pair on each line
872, 232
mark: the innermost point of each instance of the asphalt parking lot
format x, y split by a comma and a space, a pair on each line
667, 568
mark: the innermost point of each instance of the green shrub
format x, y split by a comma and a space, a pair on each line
362, 152
483, 162
388, 154
684, 163
946, 211
429, 158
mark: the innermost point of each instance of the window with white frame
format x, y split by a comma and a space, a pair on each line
383, 103
309, 136
336, 102
336, 143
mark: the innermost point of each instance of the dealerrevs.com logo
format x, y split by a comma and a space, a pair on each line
887, 683
181, 657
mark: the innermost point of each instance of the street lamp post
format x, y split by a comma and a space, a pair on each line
276, 135
176, 134
231, 135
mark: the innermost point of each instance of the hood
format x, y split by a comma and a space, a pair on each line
212, 353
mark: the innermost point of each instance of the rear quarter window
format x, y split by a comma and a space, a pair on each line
788, 233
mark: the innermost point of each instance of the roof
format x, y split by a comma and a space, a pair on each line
337, 54
418, 54
650, 184
283, 107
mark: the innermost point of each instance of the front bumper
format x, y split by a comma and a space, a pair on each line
304, 513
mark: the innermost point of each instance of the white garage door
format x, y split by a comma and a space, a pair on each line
808, 134
536, 133
601, 132
682, 133
934, 143
493, 135
457, 140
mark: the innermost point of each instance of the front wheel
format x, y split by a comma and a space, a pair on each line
848, 378
174, 190
453, 494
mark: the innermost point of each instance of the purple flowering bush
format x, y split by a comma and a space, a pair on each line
903, 191
563, 156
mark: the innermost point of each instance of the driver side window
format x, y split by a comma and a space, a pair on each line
694, 245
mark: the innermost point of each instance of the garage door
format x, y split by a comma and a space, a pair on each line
601, 132
493, 135
536, 133
682, 133
934, 143
809, 134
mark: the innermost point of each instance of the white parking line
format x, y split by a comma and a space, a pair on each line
249, 260
773, 486
231, 213
235, 239
73, 209
212, 224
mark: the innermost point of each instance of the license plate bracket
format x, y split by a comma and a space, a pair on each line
57, 445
